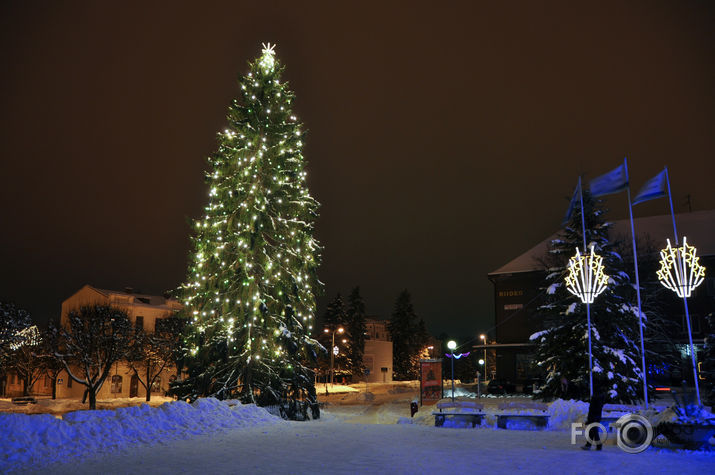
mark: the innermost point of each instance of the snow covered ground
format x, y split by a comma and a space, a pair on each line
359, 432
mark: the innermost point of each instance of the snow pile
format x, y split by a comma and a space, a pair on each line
563, 413
43, 438
693, 414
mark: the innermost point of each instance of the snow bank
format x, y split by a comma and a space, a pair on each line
43, 438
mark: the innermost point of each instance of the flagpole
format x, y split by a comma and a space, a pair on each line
685, 299
670, 199
588, 305
638, 286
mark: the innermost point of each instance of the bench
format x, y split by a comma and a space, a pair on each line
537, 416
460, 409
23, 401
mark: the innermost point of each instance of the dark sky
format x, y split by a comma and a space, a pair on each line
443, 140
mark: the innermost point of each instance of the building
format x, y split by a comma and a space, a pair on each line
377, 356
517, 287
143, 311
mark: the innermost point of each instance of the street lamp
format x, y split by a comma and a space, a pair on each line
452, 345
484, 369
483, 337
332, 349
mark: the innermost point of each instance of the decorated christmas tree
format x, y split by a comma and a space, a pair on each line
562, 347
249, 295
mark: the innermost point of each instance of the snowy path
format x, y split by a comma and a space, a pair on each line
336, 447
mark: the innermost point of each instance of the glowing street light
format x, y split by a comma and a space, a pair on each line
483, 337
334, 351
452, 345
586, 280
681, 272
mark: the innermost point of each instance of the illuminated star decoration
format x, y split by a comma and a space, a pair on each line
457, 356
268, 58
680, 270
586, 279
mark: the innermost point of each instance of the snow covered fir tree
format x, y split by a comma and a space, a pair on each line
249, 295
562, 346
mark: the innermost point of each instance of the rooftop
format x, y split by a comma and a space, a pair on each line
697, 226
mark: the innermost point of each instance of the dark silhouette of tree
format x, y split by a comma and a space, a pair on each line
93, 339
150, 353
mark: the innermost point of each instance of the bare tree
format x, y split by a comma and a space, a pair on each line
151, 353
94, 338
51, 365
24, 358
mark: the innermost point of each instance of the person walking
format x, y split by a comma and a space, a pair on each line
595, 409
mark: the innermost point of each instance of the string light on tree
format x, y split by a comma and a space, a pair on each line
249, 295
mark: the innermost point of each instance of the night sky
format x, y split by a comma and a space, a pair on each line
443, 141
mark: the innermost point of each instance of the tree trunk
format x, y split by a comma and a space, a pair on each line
148, 383
26, 386
92, 398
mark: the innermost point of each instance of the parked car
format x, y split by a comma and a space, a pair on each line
500, 386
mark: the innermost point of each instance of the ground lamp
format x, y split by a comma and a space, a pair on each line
681, 273
586, 281
334, 351
452, 345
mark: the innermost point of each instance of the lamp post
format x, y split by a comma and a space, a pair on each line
484, 369
681, 272
332, 349
451, 344
586, 280
483, 337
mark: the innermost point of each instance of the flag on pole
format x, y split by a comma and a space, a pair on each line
572, 205
612, 182
653, 188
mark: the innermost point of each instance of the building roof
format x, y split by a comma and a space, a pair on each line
139, 298
698, 227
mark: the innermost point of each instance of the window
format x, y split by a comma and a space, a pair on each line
157, 324
139, 323
12, 378
116, 384
69, 382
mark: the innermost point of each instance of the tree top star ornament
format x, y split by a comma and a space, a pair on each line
268, 58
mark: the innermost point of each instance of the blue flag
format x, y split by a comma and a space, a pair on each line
612, 182
653, 188
572, 205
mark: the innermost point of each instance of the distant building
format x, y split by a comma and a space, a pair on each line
518, 283
143, 311
377, 357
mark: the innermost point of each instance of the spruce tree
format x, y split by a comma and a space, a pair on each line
250, 289
562, 347
409, 335
356, 330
